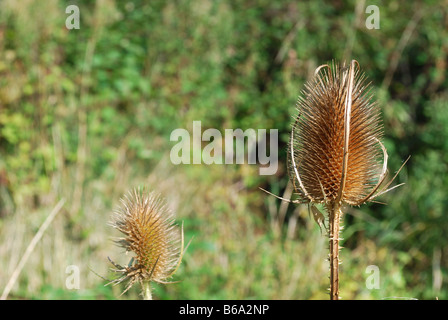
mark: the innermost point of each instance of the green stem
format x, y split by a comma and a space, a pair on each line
146, 286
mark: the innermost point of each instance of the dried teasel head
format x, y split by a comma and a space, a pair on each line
335, 150
150, 233
334, 154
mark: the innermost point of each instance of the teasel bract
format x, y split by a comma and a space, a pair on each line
150, 233
335, 153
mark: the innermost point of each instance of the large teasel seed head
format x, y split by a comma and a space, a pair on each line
148, 231
334, 154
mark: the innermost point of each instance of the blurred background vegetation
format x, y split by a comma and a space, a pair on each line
86, 115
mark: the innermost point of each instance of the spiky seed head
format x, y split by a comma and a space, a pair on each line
150, 232
318, 137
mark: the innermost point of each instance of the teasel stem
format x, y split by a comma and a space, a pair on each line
335, 216
146, 286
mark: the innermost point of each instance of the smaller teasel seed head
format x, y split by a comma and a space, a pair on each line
150, 232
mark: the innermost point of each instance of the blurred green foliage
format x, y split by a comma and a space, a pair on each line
92, 110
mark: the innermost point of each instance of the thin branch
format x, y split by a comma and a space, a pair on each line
303, 190
405, 37
30, 248
388, 184
283, 199
382, 175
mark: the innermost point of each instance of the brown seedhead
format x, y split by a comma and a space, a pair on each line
148, 231
335, 153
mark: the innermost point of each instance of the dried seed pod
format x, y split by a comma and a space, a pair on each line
317, 146
334, 154
149, 231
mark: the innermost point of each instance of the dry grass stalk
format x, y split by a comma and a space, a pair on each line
150, 232
31, 247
